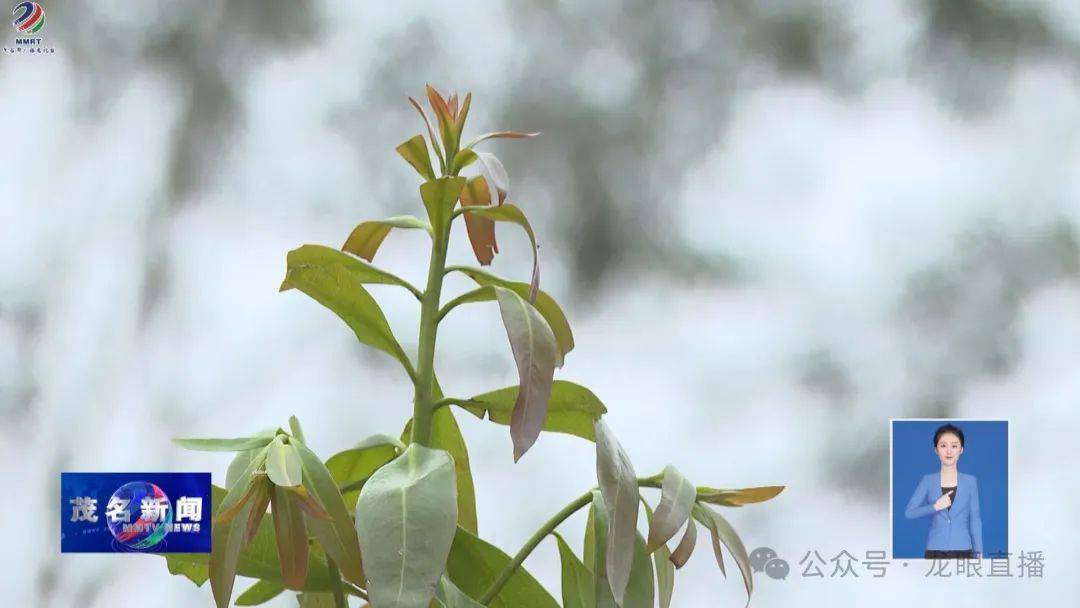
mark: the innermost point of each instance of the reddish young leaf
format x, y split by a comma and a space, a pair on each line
452, 104
431, 133
445, 120
459, 120
259, 501
290, 533
307, 502
480, 229
686, 546
738, 497
502, 135
232, 508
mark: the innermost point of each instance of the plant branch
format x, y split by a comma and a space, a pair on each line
455, 268
354, 590
462, 299
335, 584
531, 544
548, 528
463, 403
412, 289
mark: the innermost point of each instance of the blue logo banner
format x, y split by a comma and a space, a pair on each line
135, 512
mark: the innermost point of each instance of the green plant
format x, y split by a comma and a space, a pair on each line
394, 519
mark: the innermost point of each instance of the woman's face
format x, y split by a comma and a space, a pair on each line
948, 449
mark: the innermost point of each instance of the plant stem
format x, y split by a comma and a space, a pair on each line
429, 324
335, 584
548, 528
531, 544
354, 590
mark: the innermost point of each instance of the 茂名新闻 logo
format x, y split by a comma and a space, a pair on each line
157, 512
29, 18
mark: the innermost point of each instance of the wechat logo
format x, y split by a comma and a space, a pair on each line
764, 559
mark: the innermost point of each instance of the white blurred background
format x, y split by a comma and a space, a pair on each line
773, 225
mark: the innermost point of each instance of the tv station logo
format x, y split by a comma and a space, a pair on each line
28, 22
135, 512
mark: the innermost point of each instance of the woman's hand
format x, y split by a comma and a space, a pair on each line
943, 503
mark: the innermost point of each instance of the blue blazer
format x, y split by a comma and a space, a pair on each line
957, 528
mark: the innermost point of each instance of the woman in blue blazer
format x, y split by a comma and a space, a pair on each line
951, 500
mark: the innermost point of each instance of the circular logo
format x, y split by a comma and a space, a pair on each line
152, 508
29, 18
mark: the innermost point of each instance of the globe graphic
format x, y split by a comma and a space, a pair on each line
140, 532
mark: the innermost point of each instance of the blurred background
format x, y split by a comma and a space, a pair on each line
773, 225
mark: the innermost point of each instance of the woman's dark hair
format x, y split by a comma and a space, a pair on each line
948, 428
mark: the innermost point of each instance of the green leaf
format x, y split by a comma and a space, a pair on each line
474, 565
236, 468
431, 133
577, 581
676, 500
572, 408
446, 435
283, 463
415, 152
241, 491
405, 519
722, 532
357, 464
547, 306
665, 570
640, 589
535, 352
595, 551
510, 213
739, 497
366, 238
336, 535
295, 428
223, 445
618, 484
307, 257
259, 593
193, 566
290, 534
463, 159
440, 196
336, 282
227, 540
450, 596
381, 439
315, 600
